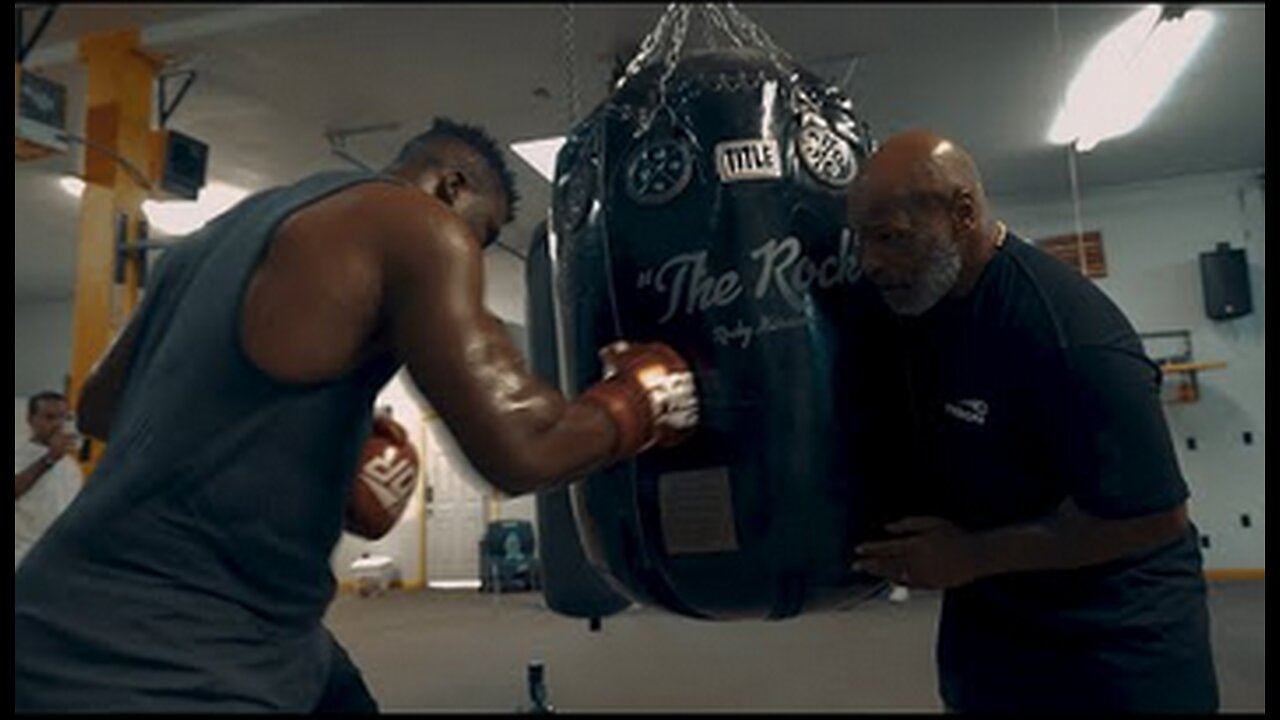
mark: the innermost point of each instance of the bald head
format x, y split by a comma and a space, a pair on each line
920, 213
918, 166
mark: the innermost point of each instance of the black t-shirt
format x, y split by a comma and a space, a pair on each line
1032, 389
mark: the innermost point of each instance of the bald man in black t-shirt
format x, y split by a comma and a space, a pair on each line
1048, 503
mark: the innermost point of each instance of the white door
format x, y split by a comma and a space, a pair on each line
456, 512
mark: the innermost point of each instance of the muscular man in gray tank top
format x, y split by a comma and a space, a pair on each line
192, 573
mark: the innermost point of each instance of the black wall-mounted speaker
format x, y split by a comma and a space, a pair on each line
1224, 273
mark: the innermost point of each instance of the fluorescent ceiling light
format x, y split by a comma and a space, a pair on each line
181, 217
540, 154
1127, 75
1099, 78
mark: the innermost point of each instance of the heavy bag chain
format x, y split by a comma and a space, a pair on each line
665, 42
570, 63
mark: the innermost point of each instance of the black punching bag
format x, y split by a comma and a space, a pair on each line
570, 585
702, 205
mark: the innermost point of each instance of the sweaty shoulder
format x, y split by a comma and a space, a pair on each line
1062, 306
398, 226
411, 223
335, 253
379, 208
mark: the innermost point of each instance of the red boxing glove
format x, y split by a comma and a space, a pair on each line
384, 482
649, 392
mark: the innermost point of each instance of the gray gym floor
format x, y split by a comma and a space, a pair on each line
459, 650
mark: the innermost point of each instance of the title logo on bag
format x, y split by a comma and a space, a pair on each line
748, 160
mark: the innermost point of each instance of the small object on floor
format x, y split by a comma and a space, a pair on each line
374, 574
537, 690
899, 594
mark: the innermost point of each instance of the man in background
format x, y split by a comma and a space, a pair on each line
45, 475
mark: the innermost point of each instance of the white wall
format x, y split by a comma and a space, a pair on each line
504, 286
1152, 235
41, 347
20, 428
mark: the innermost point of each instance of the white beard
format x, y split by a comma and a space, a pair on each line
937, 281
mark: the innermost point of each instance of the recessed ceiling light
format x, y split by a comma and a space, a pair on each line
540, 154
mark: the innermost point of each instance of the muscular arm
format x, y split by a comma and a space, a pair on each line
1126, 496
1072, 538
1108, 433
519, 432
101, 392
937, 553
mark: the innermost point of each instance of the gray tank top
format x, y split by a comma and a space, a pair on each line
193, 571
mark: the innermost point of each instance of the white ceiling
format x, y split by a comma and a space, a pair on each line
273, 79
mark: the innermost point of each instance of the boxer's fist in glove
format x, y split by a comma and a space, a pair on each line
648, 391
385, 480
